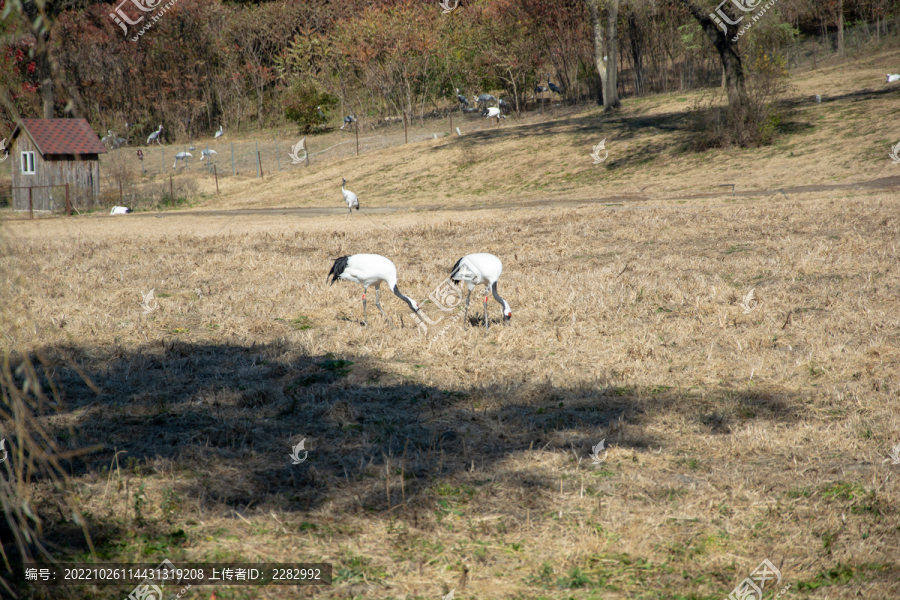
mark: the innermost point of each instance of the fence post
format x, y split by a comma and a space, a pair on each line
278, 158
216, 173
259, 163
405, 133
257, 159
451, 121
68, 204
120, 191
163, 158
357, 138
233, 172
171, 192
30, 205
208, 159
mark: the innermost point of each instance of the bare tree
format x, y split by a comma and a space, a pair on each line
728, 52
606, 51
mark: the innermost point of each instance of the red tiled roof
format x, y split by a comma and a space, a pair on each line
62, 136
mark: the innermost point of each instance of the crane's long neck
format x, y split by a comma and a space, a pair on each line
412, 303
499, 299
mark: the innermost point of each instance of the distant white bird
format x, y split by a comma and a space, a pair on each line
493, 113
181, 156
220, 132
893, 78
207, 154
155, 136
120, 210
192, 148
118, 142
320, 113
350, 198
475, 269
349, 120
366, 270
108, 138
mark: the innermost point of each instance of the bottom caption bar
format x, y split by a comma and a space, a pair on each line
153, 577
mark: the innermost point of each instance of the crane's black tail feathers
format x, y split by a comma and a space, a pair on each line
337, 269
455, 271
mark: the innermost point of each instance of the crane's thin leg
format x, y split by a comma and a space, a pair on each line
378, 302
365, 314
487, 323
466, 316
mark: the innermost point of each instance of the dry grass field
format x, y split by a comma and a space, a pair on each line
739, 426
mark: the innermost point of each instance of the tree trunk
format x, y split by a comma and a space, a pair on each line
635, 35
728, 52
840, 26
611, 90
605, 51
597, 27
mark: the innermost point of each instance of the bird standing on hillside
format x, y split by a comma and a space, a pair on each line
463, 101
349, 120
538, 89
366, 270
108, 138
349, 197
220, 132
892, 78
155, 136
181, 156
493, 113
553, 87
192, 148
476, 269
484, 99
206, 154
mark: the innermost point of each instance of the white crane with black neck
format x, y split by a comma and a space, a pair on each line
475, 269
366, 270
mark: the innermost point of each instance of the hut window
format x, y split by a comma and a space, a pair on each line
28, 163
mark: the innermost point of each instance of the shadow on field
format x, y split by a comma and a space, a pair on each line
226, 417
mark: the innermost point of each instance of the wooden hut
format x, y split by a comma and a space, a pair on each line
47, 154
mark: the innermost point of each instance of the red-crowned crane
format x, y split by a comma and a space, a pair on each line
350, 198
366, 270
207, 154
155, 136
349, 120
220, 132
476, 269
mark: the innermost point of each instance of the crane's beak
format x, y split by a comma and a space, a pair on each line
506, 318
